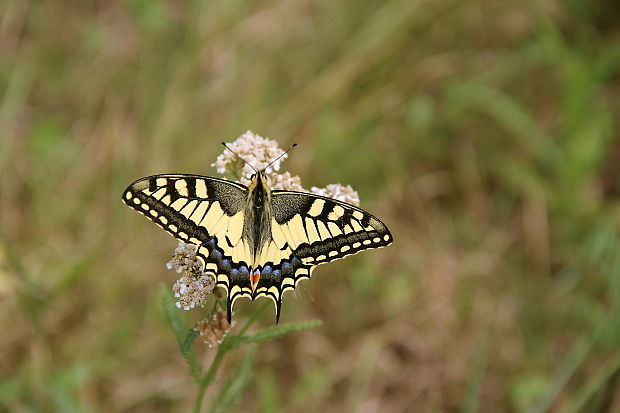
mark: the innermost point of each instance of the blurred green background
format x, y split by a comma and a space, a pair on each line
484, 133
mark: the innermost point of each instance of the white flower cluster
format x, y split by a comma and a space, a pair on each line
285, 181
339, 192
255, 150
195, 285
193, 292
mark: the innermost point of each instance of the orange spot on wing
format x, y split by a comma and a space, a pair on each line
254, 277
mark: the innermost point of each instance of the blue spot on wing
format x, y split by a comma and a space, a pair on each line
225, 265
295, 262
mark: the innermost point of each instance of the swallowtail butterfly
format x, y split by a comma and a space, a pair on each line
255, 241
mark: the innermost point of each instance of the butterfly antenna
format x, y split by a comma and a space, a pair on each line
233, 152
287, 151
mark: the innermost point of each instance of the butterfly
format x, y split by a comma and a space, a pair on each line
255, 241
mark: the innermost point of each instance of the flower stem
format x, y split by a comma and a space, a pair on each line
207, 378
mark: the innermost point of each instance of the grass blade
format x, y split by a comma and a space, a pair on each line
566, 371
596, 382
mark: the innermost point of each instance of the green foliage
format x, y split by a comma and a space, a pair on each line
232, 389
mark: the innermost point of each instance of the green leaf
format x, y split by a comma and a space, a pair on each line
232, 342
186, 347
171, 314
185, 336
281, 330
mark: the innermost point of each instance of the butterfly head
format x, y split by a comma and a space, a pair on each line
259, 178
259, 188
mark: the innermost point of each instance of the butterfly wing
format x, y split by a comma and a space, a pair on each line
204, 211
308, 230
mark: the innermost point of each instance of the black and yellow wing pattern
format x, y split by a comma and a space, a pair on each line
300, 231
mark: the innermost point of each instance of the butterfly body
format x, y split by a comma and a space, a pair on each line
255, 241
257, 223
